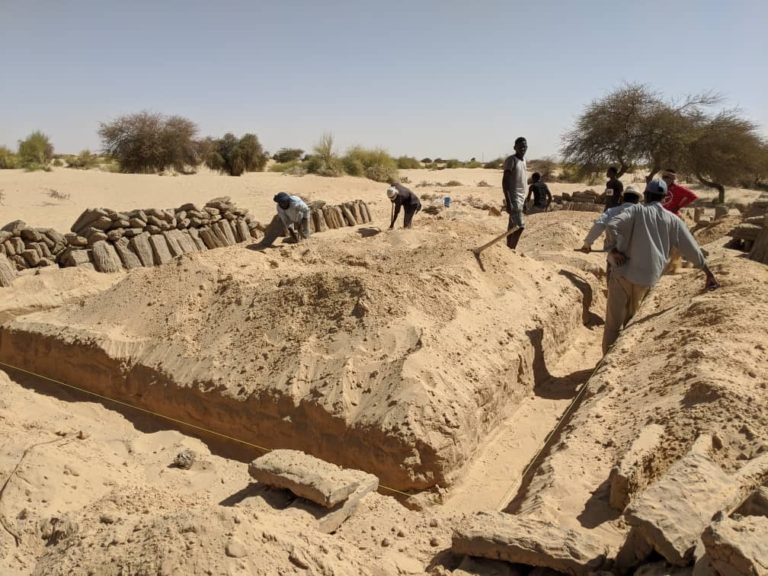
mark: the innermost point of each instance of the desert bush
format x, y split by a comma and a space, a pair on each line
407, 163
83, 161
285, 155
483, 184
423, 184
8, 160
35, 151
473, 163
145, 143
438, 161
233, 156
453, 163
426, 160
324, 161
495, 164
56, 195
544, 166
452, 183
375, 164
283, 167
57, 163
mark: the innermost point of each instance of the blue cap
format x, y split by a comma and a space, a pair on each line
281, 197
656, 187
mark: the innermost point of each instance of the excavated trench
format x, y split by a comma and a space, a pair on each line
410, 397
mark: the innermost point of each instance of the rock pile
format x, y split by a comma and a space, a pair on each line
751, 235
112, 240
325, 216
586, 201
28, 247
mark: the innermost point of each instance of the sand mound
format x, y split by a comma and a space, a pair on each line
395, 345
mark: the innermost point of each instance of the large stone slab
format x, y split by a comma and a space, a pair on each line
738, 546
7, 271
105, 258
530, 541
309, 477
160, 252
629, 475
143, 249
128, 257
672, 513
330, 520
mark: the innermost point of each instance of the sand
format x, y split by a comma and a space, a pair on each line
473, 369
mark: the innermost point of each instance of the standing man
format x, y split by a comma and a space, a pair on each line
644, 236
513, 184
678, 197
613, 188
400, 196
294, 214
630, 198
542, 197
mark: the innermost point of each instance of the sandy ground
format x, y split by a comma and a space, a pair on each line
27, 195
88, 487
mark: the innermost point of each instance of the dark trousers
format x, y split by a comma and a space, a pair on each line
410, 211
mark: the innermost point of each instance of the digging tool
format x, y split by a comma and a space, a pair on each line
590, 252
478, 251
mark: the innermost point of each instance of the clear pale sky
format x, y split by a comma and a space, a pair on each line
426, 78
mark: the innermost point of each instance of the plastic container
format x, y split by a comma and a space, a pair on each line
447, 201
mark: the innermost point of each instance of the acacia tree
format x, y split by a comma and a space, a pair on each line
631, 127
35, 151
146, 142
725, 148
234, 156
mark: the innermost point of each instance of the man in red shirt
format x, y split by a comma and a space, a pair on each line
678, 197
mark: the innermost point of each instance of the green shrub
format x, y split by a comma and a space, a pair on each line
35, 151
146, 143
426, 160
495, 164
473, 164
451, 183
453, 163
324, 161
233, 156
8, 160
57, 163
283, 167
285, 155
376, 164
408, 163
544, 166
83, 161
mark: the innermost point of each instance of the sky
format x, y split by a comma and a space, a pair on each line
436, 78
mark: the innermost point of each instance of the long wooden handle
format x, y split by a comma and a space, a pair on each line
492, 242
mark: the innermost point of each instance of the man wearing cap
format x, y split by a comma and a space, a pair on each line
678, 197
630, 198
294, 214
644, 236
400, 196
513, 184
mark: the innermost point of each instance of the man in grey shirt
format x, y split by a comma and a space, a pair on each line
513, 184
644, 236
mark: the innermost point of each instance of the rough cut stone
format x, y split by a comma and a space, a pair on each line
136, 223
629, 475
15, 227
330, 520
210, 240
115, 235
756, 504
7, 271
186, 242
672, 513
244, 234
173, 243
160, 252
31, 257
348, 216
226, 229
195, 235
30, 235
96, 236
73, 257
309, 477
10, 248
530, 541
76, 240
738, 546
105, 258
143, 248
127, 256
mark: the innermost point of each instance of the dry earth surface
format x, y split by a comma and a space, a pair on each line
392, 352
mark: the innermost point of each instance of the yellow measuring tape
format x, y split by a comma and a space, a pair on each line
164, 417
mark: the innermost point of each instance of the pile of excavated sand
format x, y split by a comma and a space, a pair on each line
389, 352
